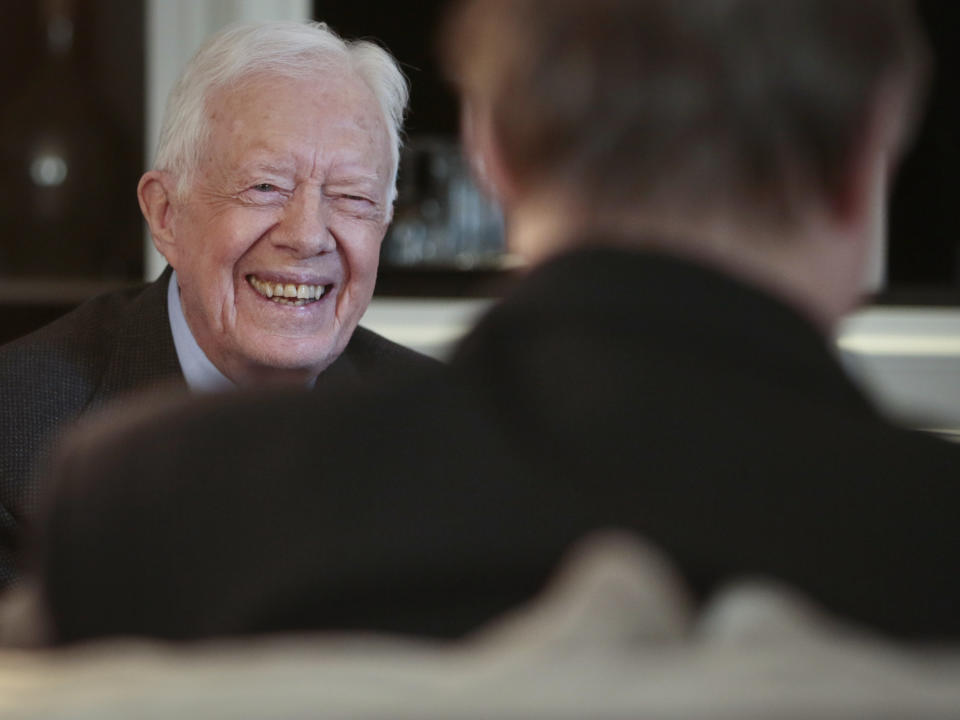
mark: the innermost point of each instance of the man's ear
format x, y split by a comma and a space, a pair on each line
860, 208
484, 153
873, 157
156, 192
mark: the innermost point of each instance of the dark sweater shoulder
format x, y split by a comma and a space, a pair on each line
377, 356
47, 379
70, 351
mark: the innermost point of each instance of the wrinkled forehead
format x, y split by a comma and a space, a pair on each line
334, 111
335, 84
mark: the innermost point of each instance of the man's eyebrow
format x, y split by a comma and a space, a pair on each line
269, 166
352, 182
353, 176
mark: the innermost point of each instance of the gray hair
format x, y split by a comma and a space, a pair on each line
749, 105
289, 49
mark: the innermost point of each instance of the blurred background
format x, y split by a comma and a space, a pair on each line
71, 152
84, 81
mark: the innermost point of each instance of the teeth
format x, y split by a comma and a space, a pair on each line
287, 294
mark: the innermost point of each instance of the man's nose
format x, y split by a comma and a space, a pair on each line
305, 228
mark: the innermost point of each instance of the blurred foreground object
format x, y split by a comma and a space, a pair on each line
613, 637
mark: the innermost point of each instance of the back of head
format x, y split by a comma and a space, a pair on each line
682, 105
284, 49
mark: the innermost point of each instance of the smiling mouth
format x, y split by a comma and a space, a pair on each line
288, 293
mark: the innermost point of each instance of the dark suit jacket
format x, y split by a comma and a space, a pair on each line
610, 390
112, 346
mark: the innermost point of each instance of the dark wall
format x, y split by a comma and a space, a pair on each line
71, 152
924, 216
71, 138
408, 30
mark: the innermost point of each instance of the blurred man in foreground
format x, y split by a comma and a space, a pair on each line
272, 189
696, 186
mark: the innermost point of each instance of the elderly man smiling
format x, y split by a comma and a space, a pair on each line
272, 190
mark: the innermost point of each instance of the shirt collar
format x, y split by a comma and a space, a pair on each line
202, 376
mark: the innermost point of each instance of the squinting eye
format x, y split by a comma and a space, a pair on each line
264, 187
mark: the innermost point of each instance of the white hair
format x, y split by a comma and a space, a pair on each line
288, 49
